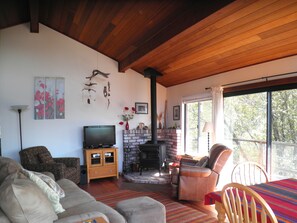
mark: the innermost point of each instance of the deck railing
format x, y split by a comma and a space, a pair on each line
283, 162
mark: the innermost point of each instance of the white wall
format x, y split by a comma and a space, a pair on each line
25, 55
176, 93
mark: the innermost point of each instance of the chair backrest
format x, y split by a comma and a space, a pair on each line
242, 204
249, 173
30, 155
218, 156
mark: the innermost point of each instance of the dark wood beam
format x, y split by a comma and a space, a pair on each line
264, 85
184, 20
34, 16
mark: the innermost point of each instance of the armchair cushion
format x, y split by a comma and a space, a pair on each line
194, 171
45, 157
203, 161
58, 169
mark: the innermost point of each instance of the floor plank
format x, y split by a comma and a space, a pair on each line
107, 185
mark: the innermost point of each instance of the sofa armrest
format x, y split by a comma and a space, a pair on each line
100, 218
58, 169
194, 171
68, 161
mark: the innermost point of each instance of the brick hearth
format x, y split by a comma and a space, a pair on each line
132, 138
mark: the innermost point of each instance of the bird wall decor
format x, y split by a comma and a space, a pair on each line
98, 72
90, 85
106, 93
89, 95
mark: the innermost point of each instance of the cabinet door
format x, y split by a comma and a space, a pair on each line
109, 156
95, 157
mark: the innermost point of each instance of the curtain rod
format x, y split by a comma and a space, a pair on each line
260, 78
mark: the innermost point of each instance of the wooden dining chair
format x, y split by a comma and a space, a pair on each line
244, 205
249, 173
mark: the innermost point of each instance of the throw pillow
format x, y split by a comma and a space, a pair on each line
49, 192
203, 161
23, 202
49, 181
45, 157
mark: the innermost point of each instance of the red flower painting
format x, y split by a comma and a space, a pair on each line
49, 102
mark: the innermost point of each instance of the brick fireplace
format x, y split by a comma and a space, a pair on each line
133, 138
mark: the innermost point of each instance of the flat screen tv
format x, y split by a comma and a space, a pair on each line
97, 136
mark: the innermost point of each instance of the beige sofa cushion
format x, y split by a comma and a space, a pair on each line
3, 217
74, 195
23, 202
7, 167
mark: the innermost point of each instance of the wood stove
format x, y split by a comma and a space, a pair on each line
152, 155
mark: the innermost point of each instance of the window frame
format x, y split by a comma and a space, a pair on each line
184, 104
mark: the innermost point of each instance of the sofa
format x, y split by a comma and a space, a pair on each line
22, 201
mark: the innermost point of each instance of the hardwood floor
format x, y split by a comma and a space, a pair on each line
107, 185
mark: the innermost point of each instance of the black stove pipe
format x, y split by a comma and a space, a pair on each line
154, 109
153, 74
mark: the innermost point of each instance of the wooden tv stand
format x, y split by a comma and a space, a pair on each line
101, 162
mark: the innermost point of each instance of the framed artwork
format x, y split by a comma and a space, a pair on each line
49, 98
176, 112
141, 108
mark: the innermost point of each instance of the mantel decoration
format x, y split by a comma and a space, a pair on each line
159, 118
127, 115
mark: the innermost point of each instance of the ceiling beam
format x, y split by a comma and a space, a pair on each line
34, 16
184, 20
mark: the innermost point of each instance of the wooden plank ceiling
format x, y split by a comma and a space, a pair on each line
184, 40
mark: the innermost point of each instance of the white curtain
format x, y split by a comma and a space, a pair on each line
217, 115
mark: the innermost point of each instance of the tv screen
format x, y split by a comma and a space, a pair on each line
97, 136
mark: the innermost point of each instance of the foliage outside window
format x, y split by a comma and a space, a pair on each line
246, 128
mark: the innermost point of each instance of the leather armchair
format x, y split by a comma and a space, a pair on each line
194, 182
64, 167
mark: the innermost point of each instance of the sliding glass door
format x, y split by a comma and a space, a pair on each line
245, 127
262, 127
284, 134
